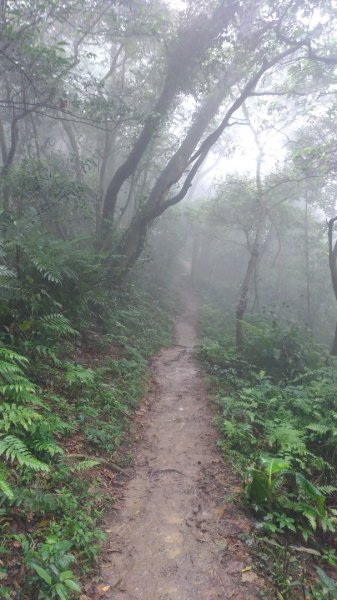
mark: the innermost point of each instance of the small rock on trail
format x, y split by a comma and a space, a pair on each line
174, 538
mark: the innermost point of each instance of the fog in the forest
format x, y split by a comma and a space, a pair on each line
147, 145
112, 114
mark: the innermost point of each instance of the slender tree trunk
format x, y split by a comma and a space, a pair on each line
251, 274
256, 306
243, 300
196, 253
333, 271
4, 155
334, 345
3, 144
74, 148
307, 265
109, 140
35, 137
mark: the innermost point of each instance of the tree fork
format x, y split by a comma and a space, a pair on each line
192, 44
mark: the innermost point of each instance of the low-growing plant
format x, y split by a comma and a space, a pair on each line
278, 410
49, 565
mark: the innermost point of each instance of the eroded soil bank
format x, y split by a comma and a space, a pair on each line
174, 537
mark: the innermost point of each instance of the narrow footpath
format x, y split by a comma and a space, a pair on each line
175, 537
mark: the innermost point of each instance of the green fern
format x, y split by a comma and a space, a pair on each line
19, 416
23, 391
46, 352
85, 465
38, 500
320, 428
49, 447
286, 438
327, 490
48, 271
56, 324
4, 487
22, 428
9, 357
15, 450
76, 375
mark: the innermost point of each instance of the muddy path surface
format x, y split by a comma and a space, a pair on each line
175, 538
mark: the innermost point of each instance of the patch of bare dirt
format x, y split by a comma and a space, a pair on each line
174, 537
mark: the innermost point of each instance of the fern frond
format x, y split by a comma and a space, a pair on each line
318, 428
327, 490
4, 487
57, 324
47, 271
14, 389
49, 447
15, 449
286, 437
5, 276
19, 416
85, 465
9, 355
47, 352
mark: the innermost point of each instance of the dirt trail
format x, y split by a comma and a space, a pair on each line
174, 538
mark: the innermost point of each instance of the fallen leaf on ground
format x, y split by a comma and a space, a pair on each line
103, 589
249, 577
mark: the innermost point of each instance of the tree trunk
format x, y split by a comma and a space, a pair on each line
334, 346
158, 202
307, 265
333, 271
191, 45
3, 144
35, 137
196, 253
68, 128
243, 300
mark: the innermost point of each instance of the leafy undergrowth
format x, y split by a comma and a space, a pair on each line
67, 390
277, 404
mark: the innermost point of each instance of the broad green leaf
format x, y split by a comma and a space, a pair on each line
61, 591
42, 573
65, 575
72, 585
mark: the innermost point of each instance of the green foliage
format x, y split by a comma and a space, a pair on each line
283, 353
56, 324
280, 415
49, 564
22, 434
47, 395
328, 587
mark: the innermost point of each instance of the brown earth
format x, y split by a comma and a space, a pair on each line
176, 537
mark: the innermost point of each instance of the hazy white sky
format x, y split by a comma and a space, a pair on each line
177, 4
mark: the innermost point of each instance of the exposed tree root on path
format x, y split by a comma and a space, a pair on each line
175, 538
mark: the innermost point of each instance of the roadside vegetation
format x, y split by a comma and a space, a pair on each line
277, 413
71, 376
